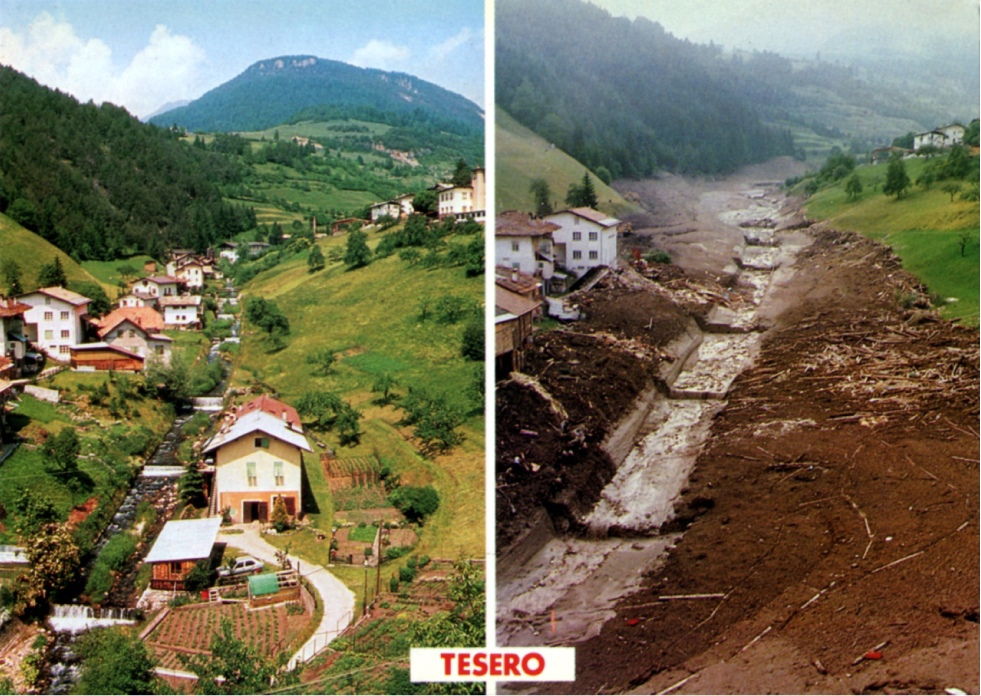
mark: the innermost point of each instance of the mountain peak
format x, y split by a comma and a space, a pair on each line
272, 91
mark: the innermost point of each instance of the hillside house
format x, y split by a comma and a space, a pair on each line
934, 138
525, 244
55, 321
182, 544
386, 209
462, 202
136, 330
131, 300
513, 327
883, 154
273, 407
954, 134
153, 288
586, 238
228, 251
258, 457
14, 346
187, 269
183, 311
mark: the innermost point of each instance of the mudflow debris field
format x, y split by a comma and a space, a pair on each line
735, 483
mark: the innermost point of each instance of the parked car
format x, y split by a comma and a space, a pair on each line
243, 565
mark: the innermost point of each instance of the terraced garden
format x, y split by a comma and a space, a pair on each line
189, 630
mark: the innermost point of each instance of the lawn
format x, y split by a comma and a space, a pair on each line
523, 156
370, 318
108, 272
31, 252
364, 534
924, 228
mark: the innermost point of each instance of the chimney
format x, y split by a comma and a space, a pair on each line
284, 414
514, 275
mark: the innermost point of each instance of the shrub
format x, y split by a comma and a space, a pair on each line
472, 347
393, 584
407, 574
415, 502
200, 577
117, 551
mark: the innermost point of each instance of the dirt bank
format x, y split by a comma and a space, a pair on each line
834, 506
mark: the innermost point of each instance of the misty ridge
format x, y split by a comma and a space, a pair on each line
628, 96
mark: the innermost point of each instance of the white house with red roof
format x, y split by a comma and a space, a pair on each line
585, 239
188, 269
55, 320
258, 457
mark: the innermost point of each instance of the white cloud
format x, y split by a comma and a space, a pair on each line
383, 55
444, 50
52, 53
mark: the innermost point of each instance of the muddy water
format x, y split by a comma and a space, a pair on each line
569, 589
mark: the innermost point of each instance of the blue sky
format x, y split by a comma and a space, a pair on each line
142, 54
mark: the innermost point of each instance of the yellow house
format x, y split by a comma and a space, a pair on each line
258, 458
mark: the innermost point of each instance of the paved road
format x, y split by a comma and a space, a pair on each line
337, 600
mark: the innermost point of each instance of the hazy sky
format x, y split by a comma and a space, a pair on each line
142, 54
803, 27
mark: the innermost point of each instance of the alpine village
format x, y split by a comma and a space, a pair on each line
242, 385
736, 348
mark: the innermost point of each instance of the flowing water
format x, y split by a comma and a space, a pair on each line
568, 590
157, 485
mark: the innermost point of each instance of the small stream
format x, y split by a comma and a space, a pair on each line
156, 484
569, 589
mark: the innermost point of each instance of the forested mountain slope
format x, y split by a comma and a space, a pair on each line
99, 184
623, 94
279, 90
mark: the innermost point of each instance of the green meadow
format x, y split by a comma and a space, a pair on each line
370, 317
523, 156
108, 272
31, 252
924, 228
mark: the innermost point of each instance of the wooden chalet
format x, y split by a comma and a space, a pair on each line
180, 546
92, 357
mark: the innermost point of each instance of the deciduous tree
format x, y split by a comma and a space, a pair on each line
897, 181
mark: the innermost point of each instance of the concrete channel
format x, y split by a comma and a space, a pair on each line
567, 590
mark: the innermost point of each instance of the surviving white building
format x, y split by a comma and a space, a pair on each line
464, 201
585, 239
54, 322
525, 244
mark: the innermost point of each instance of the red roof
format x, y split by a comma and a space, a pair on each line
146, 318
514, 223
9, 307
273, 407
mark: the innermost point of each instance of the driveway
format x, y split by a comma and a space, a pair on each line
336, 599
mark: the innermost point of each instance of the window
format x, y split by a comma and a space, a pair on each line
49, 316
175, 568
594, 255
278, 473
262, 442
515, 246
64, 333
158, 350
63, 350
250, 473
546, 247
575, 221
48, 334
577, 254
577, 236
47, 300
593, 236
64, 316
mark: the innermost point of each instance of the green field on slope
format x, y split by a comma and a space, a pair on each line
370, 318
31, 251
523, 156
924, 228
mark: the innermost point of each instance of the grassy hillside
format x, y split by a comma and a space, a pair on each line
31, 252
924, 228
370, 317
523, 156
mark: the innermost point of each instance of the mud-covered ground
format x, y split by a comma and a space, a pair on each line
833, 512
